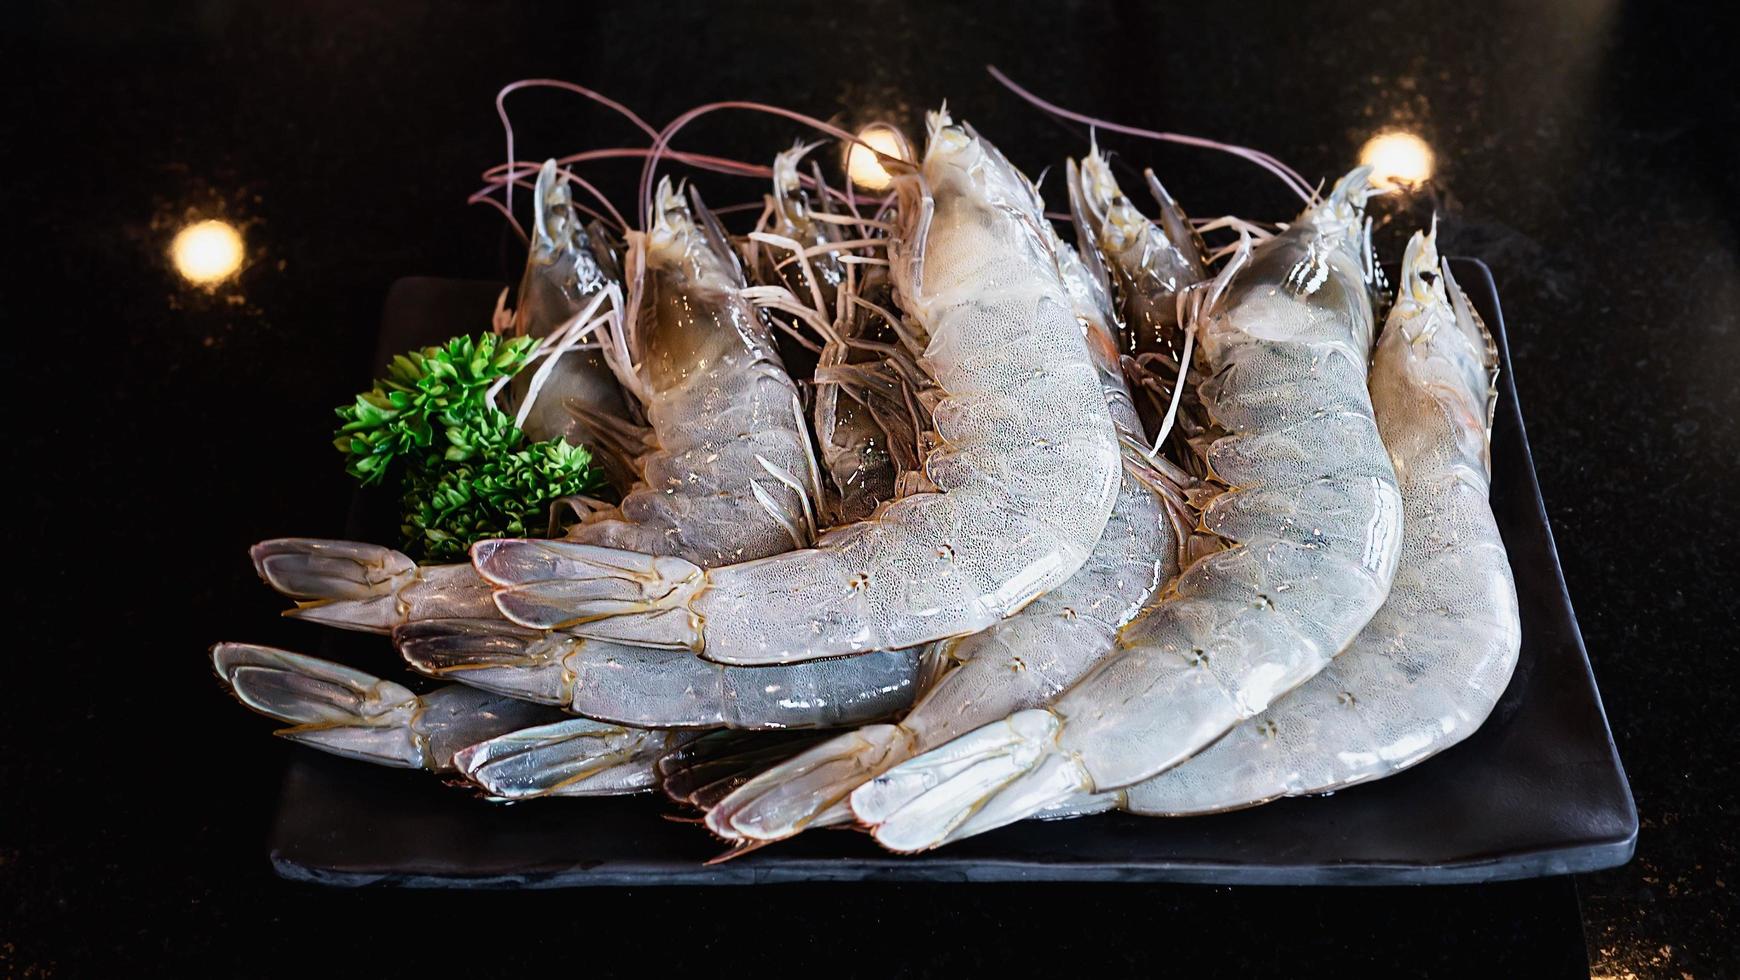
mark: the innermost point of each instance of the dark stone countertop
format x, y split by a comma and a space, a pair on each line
1585, 150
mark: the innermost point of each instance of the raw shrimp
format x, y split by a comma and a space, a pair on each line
1026, 473
1431, 664
1020, 662
732, 478
800, 265
1312, 521
567, 269
1150, 264
873, 409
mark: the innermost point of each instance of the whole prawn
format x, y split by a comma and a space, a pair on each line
1312, 523
1429, 667
1026, 474
1020, 662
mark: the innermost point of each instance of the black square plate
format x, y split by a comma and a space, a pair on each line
1537, 791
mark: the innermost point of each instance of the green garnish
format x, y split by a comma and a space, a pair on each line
468, 472
437, 385
504, 494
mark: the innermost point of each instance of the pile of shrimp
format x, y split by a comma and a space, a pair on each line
939, 511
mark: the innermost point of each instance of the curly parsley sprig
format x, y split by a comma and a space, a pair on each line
502, 494
468, 471
443, 385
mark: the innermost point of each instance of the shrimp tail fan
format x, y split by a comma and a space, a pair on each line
809, 789
327, 705
575, 757
491, 654
705, 769
348, 584
985, 779
617, 595
358, 586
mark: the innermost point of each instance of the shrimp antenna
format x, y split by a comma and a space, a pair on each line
517, 173
662, 140
598, 97
1286, 174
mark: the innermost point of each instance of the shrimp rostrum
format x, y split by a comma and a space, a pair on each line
1026, 471
1311, 518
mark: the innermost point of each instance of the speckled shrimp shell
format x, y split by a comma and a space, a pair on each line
1429, 667
1026, 474
1312, 518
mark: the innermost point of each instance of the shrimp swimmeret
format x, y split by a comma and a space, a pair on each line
1017, 663
1026, 472
1431, 664
1312, 518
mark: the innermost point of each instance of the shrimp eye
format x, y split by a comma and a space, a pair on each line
1346, 699
860, 582
946, 552
1267, 728
1199, 657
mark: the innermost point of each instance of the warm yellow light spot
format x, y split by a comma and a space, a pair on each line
207, 252
861, 164
1397, 158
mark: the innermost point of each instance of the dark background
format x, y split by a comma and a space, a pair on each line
1586, 152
